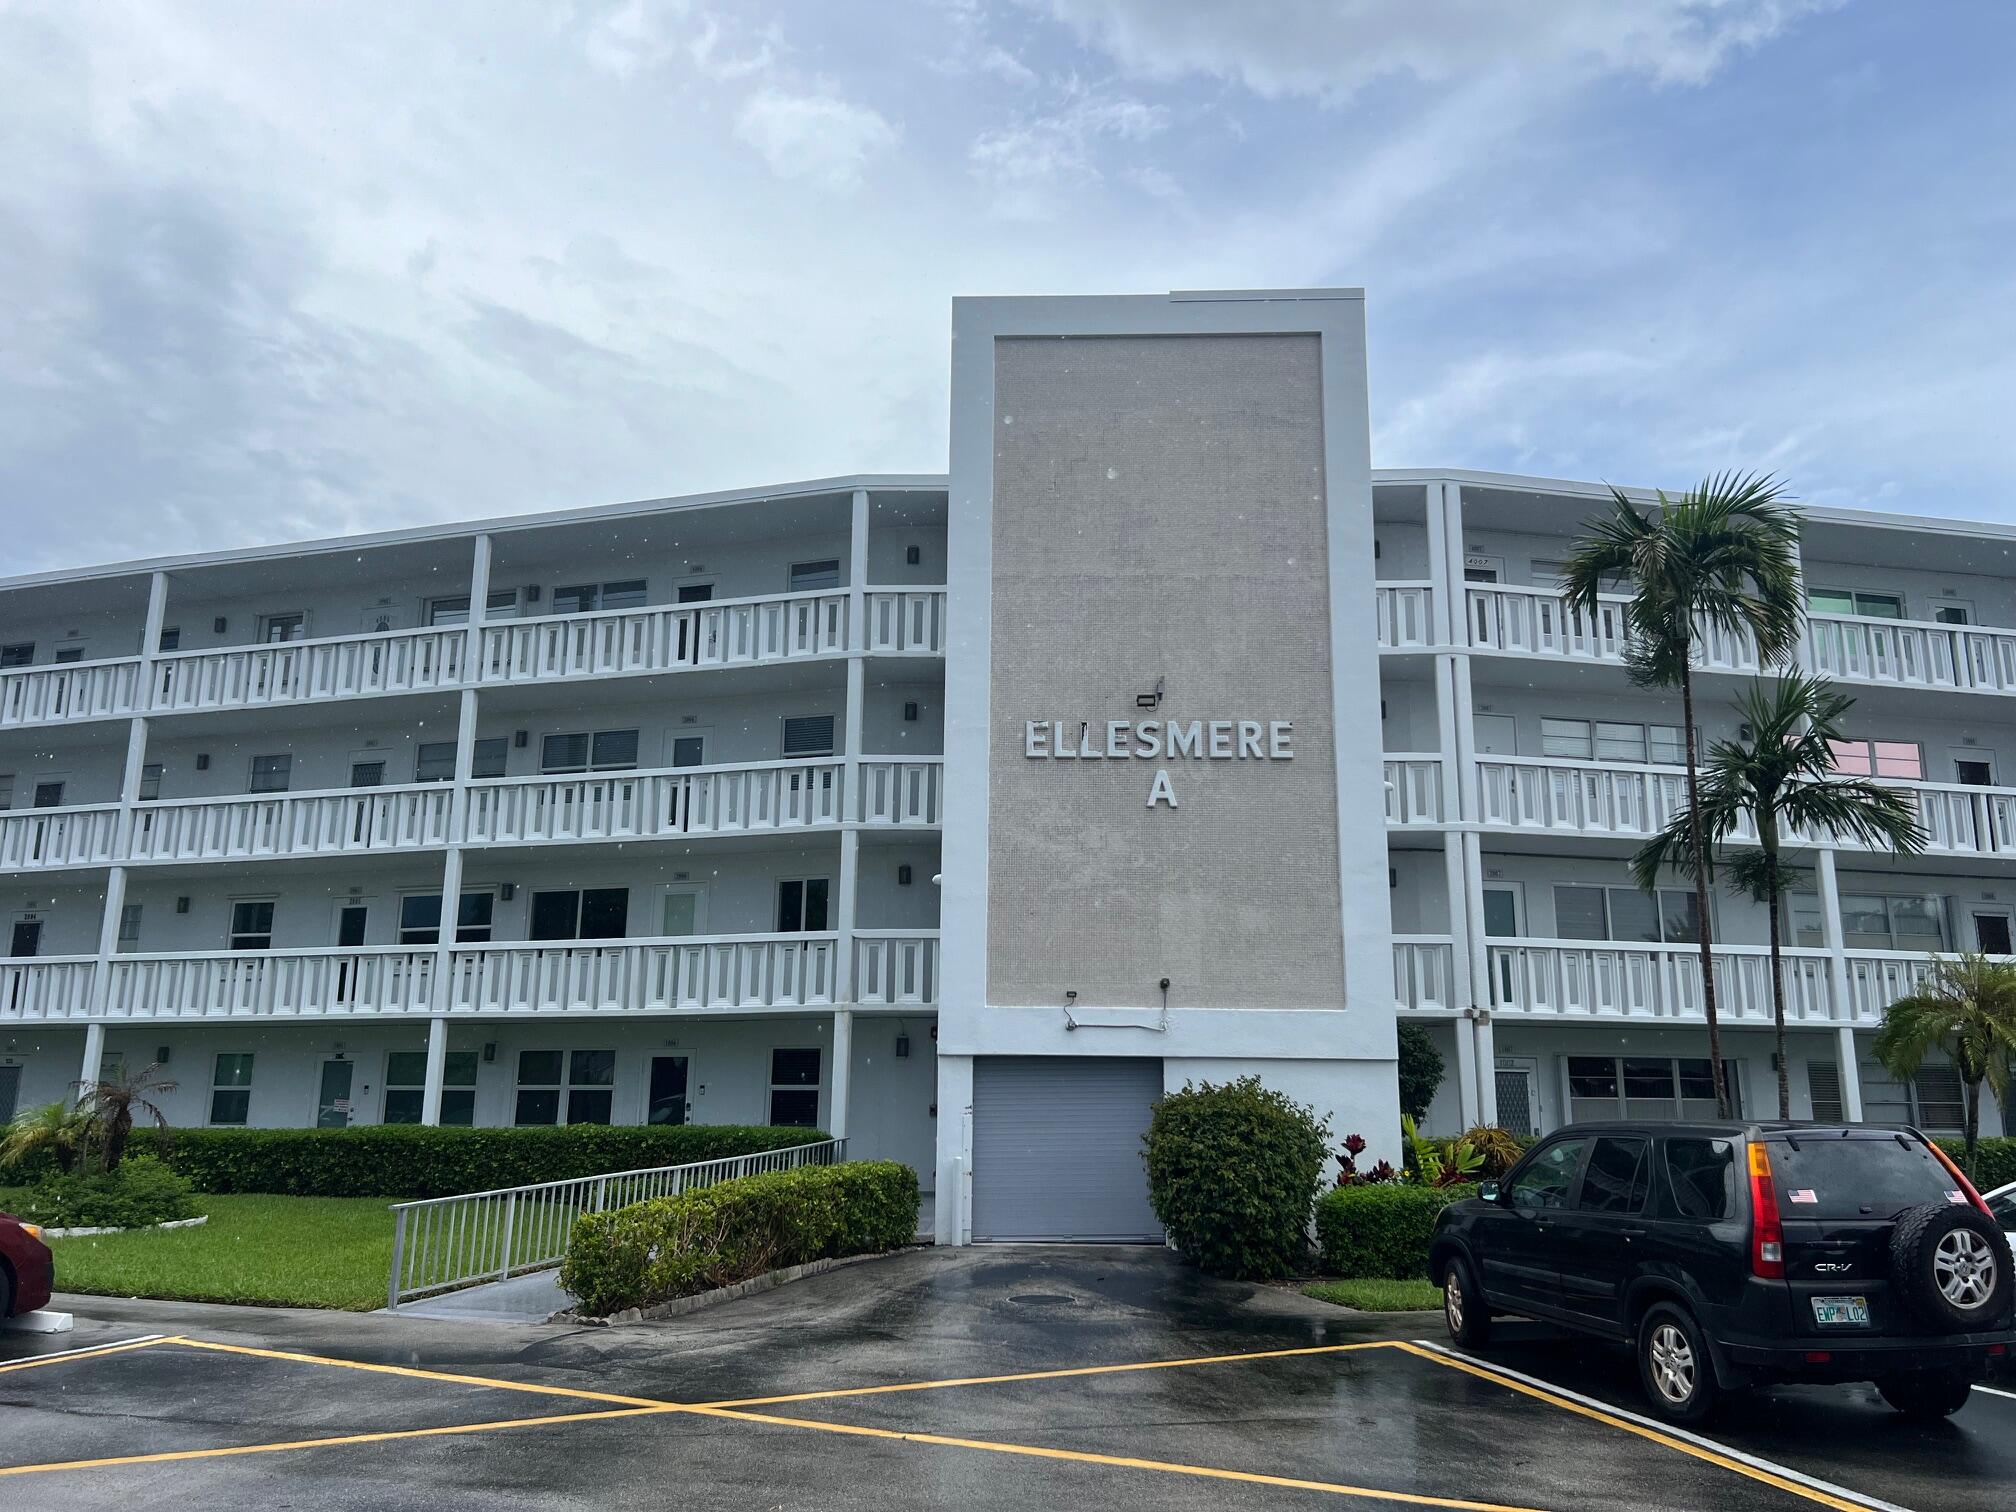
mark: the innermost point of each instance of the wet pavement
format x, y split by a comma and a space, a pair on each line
1131, 1382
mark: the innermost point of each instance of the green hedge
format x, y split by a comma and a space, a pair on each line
1381, 1230
141, 1192
408, 1160
672, 1247
1994, 1160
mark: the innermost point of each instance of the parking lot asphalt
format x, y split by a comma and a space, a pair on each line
987, 1378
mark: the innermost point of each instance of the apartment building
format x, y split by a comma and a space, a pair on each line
961, 815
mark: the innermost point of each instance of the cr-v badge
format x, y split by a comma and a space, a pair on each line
1833, 1267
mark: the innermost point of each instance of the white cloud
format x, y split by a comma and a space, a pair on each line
1333, 48
1033, 163
816, 137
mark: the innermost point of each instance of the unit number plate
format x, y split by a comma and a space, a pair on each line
1840, 1310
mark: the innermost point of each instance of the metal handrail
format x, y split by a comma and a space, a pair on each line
441, 1243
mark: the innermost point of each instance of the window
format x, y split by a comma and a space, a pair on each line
502, 603
681, 914
252, 924
129, 924
1903, 759
586, 598
1546, 1179
1855, 601
1866, 1175
434, 760
565, 1086
809, 735
589, 913
6, 790
48, 795
1626, 915
171, 638
271, 774
801, 905
808, 576
1874, 921
20, 654
1644, 1087
406, 1087
1616, 1178
1612, 740
794, 1088
364, 774
420, 918
231, 1089
1953, 614
695, 593
1702, 1173
275, 628
601, 751
689, 750
1501, 912
150, 781
1938, 1099
69, 653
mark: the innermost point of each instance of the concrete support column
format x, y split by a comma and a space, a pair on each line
94, 1056
952, 1205
1463, 993
437, 1071
1839, 982
850, 759
1851, 1072
840, 1078
1487, 1068
108, 938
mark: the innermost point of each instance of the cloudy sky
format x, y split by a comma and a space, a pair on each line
277, 270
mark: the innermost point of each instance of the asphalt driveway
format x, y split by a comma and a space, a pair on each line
987, 1378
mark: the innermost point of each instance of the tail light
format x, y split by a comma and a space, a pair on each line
1767, 1229
1959, 1178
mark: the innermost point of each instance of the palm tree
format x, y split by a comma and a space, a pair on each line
1966, 1006
54, 1127
1722, 556
110, 1103
1780, 776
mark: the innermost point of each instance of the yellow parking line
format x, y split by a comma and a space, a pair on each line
85, 1354
1079, 1456
1484, 1372
424, 1375
1051, 1375
323, 1443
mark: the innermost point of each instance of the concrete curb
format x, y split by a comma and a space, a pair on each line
85, 1233
680, 1306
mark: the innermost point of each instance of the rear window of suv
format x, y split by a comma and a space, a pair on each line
1855, 1176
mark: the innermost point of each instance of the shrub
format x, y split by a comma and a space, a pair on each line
409, 1160
669, 1247
1994, 1161
1420, 1070
140, 1192
1499, 1149
1231, 1173
1381, 1230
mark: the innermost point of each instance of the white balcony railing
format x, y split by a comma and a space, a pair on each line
1609, 980
45, 987
349, 821
770, 795
908, 792
1421, 966
1912, 653
1414, 788
331, 982
1406, 616
905, 621
1540, 622
893, 966
1579, 797
666, 638
693, 973
48, 839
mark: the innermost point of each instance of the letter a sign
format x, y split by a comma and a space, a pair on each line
1160, 791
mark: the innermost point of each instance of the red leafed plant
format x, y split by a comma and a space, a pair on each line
1350, 1175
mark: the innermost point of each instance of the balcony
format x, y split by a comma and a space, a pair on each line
1524, 621
692, 974
352, 821
1912, 653
1414, 788
1406, 616
56, 839
671, 638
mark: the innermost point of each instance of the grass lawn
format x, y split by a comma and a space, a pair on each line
282, 1251
1371, 1294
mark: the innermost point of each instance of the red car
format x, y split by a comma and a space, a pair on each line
27, 1270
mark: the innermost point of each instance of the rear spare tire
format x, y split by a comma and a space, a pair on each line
1950, 1267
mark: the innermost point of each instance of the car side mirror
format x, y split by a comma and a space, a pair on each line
1488, 1191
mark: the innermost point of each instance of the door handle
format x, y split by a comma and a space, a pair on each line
1632, 1233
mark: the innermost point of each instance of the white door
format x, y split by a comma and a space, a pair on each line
1497, 734
332, 1102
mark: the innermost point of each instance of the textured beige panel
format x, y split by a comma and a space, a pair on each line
1159, 512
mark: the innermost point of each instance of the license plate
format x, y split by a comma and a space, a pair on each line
1837, 1312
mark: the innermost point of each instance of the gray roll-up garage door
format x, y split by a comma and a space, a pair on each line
1057, 1148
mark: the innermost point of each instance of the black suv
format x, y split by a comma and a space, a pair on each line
1734, 1254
